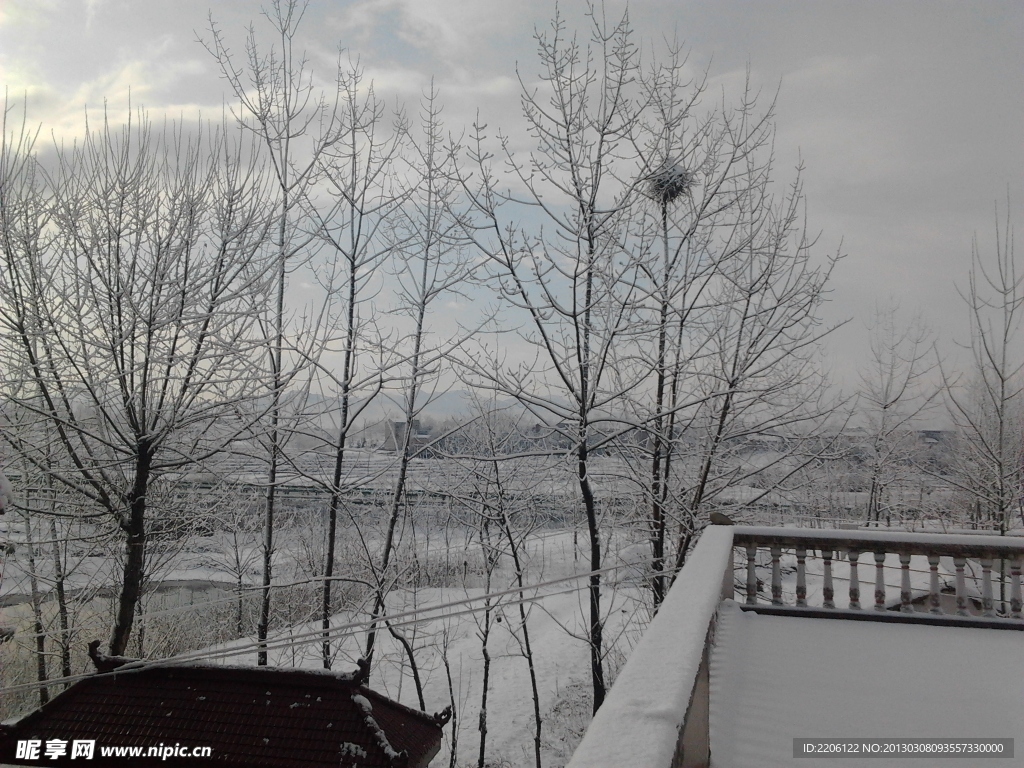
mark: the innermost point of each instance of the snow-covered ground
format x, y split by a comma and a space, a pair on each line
774, 679
557, 629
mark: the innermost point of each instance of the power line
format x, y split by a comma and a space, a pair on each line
406, 618
319, 633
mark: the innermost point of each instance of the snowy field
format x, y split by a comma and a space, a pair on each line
445, 626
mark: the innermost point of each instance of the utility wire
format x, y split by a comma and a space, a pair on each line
406, 618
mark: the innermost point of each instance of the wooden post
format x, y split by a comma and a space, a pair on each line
751, 574
961, 586
1015, 596
986, 587
728, 578
776, 551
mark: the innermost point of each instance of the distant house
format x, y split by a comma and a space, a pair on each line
394, 436
564, 436
935, 436
251, 716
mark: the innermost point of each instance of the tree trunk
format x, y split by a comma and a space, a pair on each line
135, 552
339, 457
37, 615
596, 628
538, 721
62, 603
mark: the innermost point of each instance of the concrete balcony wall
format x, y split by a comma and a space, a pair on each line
656, 714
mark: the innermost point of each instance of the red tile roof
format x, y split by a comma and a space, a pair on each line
253, 716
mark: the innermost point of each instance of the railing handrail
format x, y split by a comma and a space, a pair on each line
994, 554
643, 719
945, 544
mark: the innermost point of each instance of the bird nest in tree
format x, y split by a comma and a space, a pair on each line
670, 182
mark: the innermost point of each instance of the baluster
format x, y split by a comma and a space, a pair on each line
1015, 596
827, 592
986, 587
905, 604
776, 551
751, 574
801, 576
934, 599
961, 586
854, 556
879, 581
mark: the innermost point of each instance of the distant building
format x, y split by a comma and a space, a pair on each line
394, 436
935, 436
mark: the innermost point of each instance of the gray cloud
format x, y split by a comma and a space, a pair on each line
908, 115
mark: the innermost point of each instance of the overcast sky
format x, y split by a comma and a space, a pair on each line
909, 116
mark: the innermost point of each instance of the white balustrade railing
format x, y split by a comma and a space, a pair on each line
964, 551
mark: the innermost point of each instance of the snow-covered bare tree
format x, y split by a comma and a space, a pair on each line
987, 402
893, 395
761, 377
497, 491
431, 262
296, 122
360, 231
702, 171
132, 269
572, 282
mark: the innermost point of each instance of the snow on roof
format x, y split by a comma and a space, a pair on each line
371, 723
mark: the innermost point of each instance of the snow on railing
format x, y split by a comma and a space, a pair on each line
939, 557
656, 714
